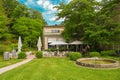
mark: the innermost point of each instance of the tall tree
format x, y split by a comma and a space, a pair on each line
9, 6
78, 15
95, 27
29, 29
1, 8
4, 33
20, 11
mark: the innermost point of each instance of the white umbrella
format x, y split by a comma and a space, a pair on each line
76, 43
57, 43
19, 44
39, 44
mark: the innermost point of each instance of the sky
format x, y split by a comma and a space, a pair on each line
46, 8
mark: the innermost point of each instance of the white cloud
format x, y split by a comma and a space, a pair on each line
53, 18
69, 1
40, 2
62, 19
30, 2
47, 5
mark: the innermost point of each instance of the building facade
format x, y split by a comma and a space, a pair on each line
51, 34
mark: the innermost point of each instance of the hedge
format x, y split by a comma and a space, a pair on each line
74, 55
94, 54
39, 54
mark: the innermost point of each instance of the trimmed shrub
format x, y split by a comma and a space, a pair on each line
39, 54
74, 55
22, 55
94, 54
108, 53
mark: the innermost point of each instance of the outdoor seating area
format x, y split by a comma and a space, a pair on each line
54, 54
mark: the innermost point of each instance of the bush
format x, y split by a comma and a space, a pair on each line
2, 49
22, 55
39, 54
108, 53
94, 54
74, 55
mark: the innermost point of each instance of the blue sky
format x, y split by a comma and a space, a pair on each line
46, 8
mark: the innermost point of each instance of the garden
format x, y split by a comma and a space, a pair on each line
94, 23
58, 69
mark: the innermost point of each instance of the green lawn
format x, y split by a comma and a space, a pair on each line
8, 62
58, 69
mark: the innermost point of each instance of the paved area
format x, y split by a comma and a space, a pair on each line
7, 68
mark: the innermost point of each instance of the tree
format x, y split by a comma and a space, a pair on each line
4, 33
1, 8
29, 30
105, 29
9, 6
77, 13
94, 27
20, 11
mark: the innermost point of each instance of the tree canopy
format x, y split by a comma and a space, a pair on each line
18, 20
95, 23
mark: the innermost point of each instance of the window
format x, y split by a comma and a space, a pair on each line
55, 31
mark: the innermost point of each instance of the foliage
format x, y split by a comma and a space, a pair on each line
1, 8
39, 54
108, 53
4, 29
94, 54
20, 11
29, 29
22, 55
9, 6
2, 49
18, 20
77, 13
92, 22
74, 55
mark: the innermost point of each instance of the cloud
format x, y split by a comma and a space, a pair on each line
53, 18
46, 4
30, 2
69, 1
49, 10
46, 7
39, 2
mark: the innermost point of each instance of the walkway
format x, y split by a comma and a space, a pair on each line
7, 68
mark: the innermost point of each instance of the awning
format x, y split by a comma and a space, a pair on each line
58, 43
76, 42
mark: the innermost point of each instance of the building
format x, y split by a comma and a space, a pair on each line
52, 33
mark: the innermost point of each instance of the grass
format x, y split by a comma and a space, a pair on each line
58, 69
4, 63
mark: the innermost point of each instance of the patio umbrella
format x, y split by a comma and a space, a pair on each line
19, 44
58, 43
39, 44
76, 43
